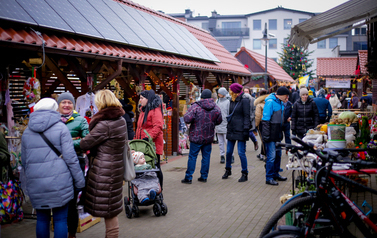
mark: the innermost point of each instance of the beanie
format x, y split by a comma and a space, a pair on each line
66, 96
282, 91
46, 104
236, 87
223, 91
322, 91
136, 155
303, 91
206, 94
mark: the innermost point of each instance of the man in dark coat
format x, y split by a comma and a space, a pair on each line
305, 114
128, 115
295, 96
202, 116
272, 122
324, 107
237, 130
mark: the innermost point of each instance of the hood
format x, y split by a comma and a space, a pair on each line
207, 104
41, 120
321, 96
273, 97
260, 99
156, 102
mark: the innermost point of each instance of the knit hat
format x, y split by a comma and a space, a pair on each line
223, 91
137, 155
206, 94
66, 96
282, 91
303, 91
236, 87
46, 104
322, 91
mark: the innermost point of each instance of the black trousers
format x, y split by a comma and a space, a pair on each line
73, 215
159, 173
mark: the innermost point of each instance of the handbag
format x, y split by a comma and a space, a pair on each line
48, 142
128, 163
229, 117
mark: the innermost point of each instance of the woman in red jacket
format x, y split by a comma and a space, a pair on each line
151, 120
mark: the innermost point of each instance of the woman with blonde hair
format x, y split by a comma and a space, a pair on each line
106, 140
237, 129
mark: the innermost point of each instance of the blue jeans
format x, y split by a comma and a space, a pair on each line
287, 132
60, 215
241, 153
193, 154
273, 160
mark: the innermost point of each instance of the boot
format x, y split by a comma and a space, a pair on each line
243, 177
222, 160
228, 172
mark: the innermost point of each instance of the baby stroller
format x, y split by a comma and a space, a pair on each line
132, 202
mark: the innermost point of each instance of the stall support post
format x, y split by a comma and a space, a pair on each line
175, 119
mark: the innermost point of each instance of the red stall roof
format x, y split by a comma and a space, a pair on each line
273, 69
80, 46
338, 66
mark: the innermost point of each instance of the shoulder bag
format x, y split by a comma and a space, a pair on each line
228, 118
48, 142
128, 163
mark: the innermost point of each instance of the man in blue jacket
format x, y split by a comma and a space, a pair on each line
323, 104
272, 132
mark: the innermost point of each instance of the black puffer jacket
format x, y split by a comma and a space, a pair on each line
304, 116
129, 114
238, 127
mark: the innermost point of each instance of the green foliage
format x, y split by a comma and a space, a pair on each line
295, 62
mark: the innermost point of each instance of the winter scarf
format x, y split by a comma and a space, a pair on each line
65, 118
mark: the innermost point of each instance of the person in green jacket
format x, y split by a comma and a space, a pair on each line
79, 128
4, 158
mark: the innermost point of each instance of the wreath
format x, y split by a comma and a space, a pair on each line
32, 90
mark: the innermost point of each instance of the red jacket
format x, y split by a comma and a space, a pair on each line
153, 126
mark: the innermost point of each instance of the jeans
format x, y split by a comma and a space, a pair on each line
287, 132
193, 154
241, 153
273, 160
60, 215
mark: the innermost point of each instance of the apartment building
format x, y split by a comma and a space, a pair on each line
236, 31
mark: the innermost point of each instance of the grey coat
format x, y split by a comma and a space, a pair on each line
223, 104
49, 179
252, 110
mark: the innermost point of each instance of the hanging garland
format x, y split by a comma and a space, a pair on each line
32, 89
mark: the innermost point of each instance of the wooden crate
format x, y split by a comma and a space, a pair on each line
87, 222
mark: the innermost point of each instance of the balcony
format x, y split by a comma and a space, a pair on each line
230, 32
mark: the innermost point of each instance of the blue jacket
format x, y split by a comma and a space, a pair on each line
49, 179
272, 120
323, 104
368, 99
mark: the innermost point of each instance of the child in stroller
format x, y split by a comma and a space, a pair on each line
147, 184
145, 189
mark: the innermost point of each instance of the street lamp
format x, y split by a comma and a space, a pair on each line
265, 40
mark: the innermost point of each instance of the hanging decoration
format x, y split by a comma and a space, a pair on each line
32, 90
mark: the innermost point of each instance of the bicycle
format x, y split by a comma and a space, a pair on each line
327, 212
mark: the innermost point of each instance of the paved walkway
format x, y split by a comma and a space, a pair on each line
218, 208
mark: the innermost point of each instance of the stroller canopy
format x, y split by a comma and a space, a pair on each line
146, 148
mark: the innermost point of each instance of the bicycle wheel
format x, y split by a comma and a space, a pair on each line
283, 234
294, 213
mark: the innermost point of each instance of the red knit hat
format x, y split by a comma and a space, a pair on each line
236, 87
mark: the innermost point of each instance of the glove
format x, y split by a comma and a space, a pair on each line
146, 139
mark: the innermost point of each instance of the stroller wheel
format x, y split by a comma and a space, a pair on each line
129, 211
164, 209
135, 211
126, 201
157, 209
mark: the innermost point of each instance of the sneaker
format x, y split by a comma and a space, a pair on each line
272, 182
186, 181
152, 194
202, 180
232, 159
222, 159
145, 200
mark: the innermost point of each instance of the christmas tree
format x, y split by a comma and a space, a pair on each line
294, 60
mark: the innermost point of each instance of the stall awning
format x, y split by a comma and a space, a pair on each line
337, 66
337, 20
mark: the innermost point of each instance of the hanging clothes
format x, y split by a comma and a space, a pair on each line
85, 105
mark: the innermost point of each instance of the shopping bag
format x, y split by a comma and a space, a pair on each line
11, 202
129, 169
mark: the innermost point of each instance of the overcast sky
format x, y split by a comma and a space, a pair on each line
234, 7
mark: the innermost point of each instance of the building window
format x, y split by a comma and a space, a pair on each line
257, 24
205, 26
333, 42
227, 25
286, 41
321, 44
273, 44
272, 24
360, 45
302, 20
360, 31
257, 45
287, 24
